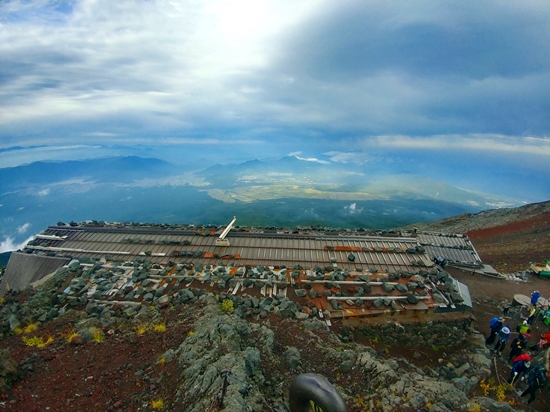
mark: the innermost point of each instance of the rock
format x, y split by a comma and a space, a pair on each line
91, 307
300, 292
401, 288
147, 282
314, 323
346, 366
70, 316
251, 360
292, 358
411, 298
462, 383
164, 301
14, 322
387, 287
492, 405
287, 313
460, 371
412, 285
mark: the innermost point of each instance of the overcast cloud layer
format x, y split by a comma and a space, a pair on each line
267, 77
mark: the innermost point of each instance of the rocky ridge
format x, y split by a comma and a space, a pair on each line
259, 356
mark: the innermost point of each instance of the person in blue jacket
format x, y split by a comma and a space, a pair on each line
503, 336
495, 325
535, 297
519, 370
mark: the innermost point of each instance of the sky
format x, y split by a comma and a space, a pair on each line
462, 86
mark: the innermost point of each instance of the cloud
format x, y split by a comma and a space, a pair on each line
486, 143
22, 229
348, 157
352, 209
196, 70
266, 78
312, 159
8, 245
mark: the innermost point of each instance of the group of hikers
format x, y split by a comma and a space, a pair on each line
521, 362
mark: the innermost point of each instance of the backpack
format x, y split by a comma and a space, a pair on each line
538, 376
523, 357
493, 323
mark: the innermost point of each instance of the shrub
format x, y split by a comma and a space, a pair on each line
98, 336
31, 327
70, 335
161, 327
227, 305
37, 341
158, 404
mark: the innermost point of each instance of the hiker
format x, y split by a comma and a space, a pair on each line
535, 297
532, 314
503, 336
537, 379
495, 325
517, 346
546, 316
544, 340
524, 329
519, 369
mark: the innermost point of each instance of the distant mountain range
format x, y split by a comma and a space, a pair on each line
289, 191
332, 177
106, 170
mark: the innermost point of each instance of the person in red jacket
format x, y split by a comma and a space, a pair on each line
517, 346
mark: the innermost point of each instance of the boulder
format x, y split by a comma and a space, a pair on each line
300, 292
292, 358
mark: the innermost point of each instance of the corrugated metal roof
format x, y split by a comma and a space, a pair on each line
355, 259
381, 253
454, 248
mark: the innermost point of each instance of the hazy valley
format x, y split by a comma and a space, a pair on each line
284, 192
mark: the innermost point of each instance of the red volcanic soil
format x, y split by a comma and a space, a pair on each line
514, 246
124, 372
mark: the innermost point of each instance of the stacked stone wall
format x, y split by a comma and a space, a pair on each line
432, 333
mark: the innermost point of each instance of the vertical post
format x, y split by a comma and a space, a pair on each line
225, 374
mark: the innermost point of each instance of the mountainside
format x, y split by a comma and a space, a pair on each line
486, 219
509, 239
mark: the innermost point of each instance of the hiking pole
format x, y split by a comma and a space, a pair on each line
496, 370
